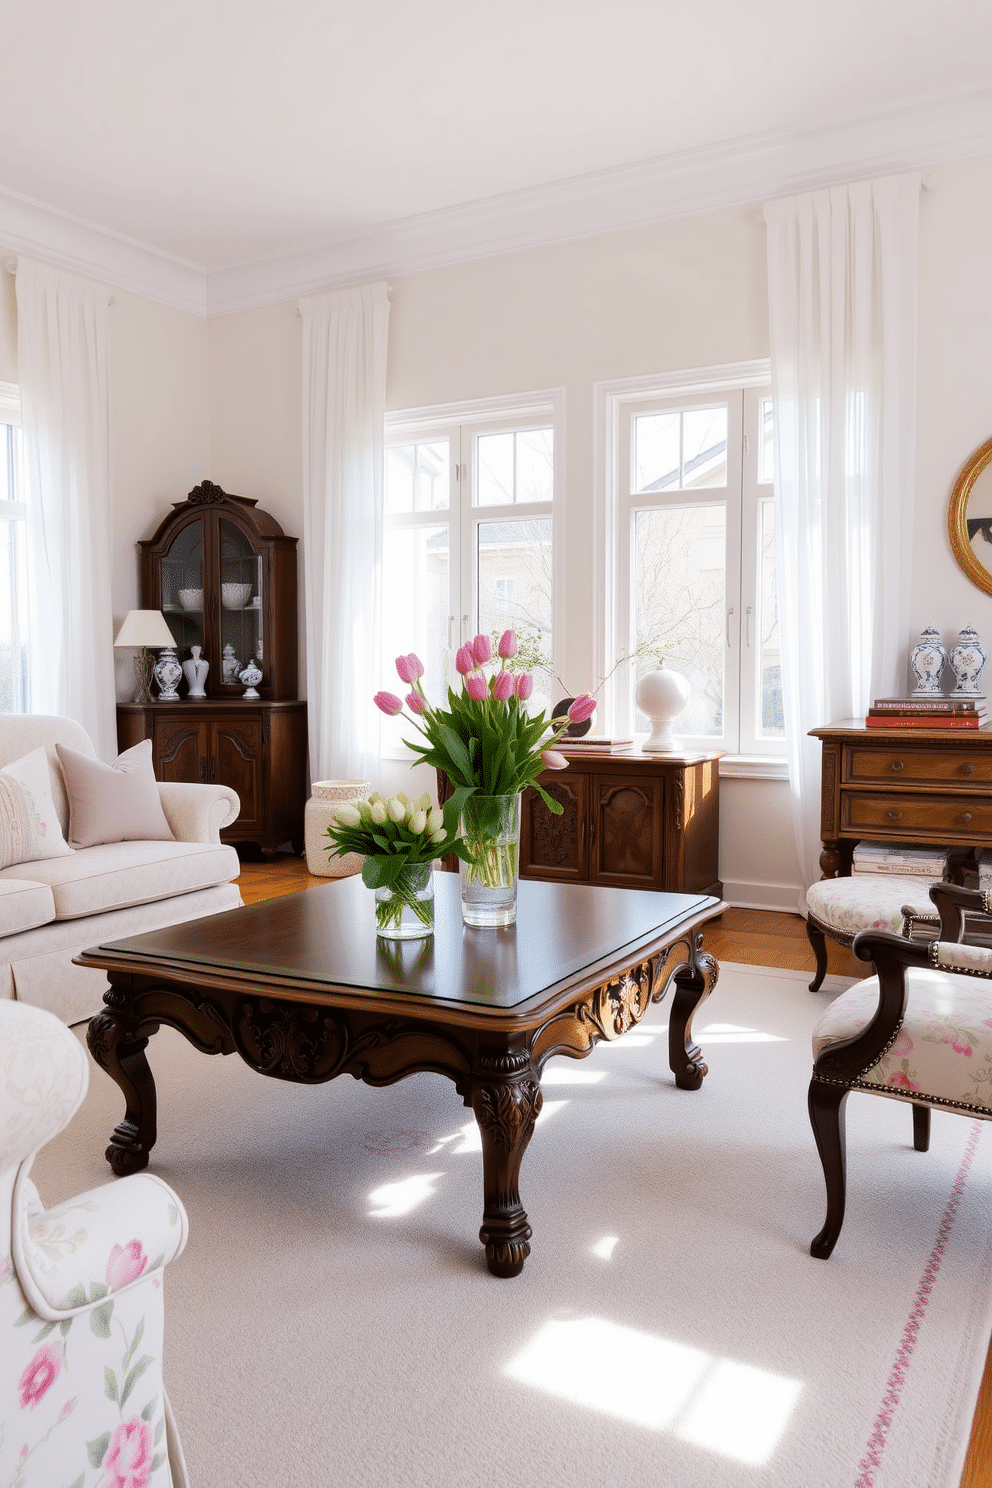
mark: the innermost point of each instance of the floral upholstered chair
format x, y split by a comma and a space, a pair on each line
920, 1031
840, 908
82, 1403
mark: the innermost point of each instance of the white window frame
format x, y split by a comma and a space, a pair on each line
460, 423
17, 510
614, 404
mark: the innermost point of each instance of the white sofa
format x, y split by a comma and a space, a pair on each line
53, 908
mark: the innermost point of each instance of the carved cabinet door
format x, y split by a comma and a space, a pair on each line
627, 830
180, 749
236, 760
556, 847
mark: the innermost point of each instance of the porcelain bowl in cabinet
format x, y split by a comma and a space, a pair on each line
235, 596
191, 599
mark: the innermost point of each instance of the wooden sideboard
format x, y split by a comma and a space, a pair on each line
913, 785
257, 748
629, 820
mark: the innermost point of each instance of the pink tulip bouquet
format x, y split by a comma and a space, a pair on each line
485, 741
490, 748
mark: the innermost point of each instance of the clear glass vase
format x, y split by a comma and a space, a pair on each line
404, 910
491, 828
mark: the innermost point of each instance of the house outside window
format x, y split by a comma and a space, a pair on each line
14, 602
468, 546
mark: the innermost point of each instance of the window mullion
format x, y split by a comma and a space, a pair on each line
467, 597
736, 598
623, 691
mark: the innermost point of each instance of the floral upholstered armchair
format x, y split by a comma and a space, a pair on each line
919, 1031
82, 1403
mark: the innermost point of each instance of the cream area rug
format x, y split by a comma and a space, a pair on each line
332, 1321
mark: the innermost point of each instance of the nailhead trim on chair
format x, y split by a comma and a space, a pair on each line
973, 971
982, 1112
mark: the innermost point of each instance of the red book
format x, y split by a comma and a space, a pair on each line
918, 721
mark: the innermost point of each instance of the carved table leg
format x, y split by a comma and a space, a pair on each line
693, 984
506, 1099
122, 1055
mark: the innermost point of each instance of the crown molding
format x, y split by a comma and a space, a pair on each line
41, 232
751, 169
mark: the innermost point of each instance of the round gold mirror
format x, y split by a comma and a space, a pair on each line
969, 518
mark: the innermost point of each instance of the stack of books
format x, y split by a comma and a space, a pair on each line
595, 743
895, 857
927, 712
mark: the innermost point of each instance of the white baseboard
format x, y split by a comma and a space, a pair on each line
784, 898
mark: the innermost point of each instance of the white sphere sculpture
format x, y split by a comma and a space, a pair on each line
662, 695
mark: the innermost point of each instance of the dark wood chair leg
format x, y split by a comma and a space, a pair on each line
818, 943
826, 1114
921, 1128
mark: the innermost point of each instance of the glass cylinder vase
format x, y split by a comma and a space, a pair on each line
491, 828
404, 910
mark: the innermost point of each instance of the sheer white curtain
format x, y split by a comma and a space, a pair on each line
842, 289
344, 407
62, 369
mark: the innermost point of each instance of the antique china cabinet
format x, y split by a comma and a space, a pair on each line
223, 573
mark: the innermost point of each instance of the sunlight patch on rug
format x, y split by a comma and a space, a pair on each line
561, 1074
470, 1140
395, 1199
719, 1404
732, 1033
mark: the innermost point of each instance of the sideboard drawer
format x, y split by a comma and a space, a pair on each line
928, 819
917, 767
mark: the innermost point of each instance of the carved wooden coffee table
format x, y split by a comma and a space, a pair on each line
303, 989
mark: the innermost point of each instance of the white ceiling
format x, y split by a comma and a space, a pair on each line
208, 135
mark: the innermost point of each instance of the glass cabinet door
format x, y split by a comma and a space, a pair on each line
182, 588
241, 604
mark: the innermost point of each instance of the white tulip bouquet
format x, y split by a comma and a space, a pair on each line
393, 835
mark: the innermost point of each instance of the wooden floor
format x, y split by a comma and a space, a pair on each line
752, 936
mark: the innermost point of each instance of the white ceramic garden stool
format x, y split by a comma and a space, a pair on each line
320, 811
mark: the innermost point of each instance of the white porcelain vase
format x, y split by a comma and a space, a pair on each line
967, 660
927, 661
196, 670
662, 694
168, 673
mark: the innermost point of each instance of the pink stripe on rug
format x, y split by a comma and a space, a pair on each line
871, 1461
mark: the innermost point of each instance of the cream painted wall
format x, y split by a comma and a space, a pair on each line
159, 432
955, 389
256, 419
223, 399
655, 299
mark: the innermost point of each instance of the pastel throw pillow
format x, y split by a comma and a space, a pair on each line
29, 825
113, 803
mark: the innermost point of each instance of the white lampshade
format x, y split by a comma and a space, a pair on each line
144, 628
